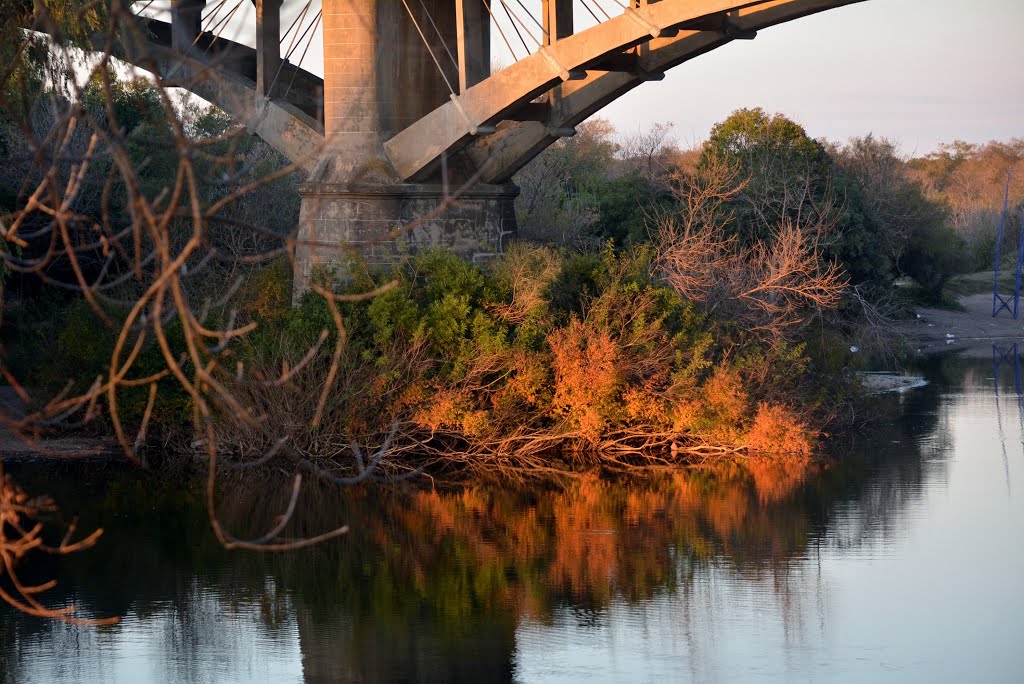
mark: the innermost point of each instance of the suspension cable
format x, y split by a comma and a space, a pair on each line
500, 31
211, 15
586, 6
309, 42
543, 30
514, 27
298, 18
220, 27
296, 41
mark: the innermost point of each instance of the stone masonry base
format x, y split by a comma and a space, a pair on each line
383, 224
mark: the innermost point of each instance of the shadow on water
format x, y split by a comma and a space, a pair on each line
431, 586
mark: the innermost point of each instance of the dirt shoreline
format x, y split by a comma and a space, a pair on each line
13, 447
972, 331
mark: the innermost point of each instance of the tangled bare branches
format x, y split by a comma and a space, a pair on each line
773, 285
21, 532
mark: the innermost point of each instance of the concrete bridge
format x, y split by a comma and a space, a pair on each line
410, 124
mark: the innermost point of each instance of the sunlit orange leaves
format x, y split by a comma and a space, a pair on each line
777, 430
587, 377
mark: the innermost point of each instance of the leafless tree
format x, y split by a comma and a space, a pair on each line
650, 149
773, 285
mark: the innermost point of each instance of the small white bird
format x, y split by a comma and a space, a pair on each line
854, 349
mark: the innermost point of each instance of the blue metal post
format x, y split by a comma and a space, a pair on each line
1002, 303
1020, 261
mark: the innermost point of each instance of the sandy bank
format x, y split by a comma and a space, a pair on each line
973, 330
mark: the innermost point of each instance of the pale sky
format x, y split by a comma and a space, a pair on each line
922, 72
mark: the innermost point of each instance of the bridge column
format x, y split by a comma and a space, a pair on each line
557, 20
557, 25
186, 23
268, 46
474, 41
379, 78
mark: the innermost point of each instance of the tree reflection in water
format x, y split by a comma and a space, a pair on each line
431, 586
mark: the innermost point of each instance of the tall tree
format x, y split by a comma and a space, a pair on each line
792, 178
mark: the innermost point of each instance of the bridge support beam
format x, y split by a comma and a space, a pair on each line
268, 46
186, 23
380, 76
472, 25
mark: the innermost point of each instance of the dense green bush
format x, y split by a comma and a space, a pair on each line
918, 237
73, 344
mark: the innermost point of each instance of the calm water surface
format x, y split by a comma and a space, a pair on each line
901, 561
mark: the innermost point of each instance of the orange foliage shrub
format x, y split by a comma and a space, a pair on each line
776, 430
527, 380
587, 377
685, 415
643, 405
725, 403
266, 293
445, 409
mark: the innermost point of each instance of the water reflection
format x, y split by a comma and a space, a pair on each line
1010, 358
728, 571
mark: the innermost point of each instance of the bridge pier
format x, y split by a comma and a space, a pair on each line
268, 47
186, 20
349, 219
383, 71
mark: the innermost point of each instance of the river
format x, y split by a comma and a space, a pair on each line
899, 559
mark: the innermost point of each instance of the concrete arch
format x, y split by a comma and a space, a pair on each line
669, 31
415, 151
223, 72
500, 155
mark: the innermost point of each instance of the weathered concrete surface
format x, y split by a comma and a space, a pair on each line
223, 72
287, 129
379, 78
383, 224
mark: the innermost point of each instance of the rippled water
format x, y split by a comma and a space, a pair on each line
902, 560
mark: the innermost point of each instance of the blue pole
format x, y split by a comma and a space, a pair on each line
1020, 262
999, 243
1020, 265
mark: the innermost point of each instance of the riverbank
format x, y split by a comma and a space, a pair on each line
971, 331
14, 446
